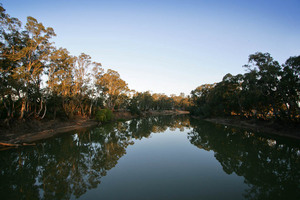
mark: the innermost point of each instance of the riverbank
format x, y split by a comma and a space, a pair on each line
125, 115
26, 133
269, 127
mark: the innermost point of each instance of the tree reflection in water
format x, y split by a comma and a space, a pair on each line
271, 167
70, 165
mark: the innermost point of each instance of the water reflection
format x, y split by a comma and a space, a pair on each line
270, 166
72, 164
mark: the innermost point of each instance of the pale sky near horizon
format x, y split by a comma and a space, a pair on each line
169, 46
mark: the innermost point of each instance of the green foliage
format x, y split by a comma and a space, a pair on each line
133, 108
145, 101
113, 87
267, 91
104, 115
27, 54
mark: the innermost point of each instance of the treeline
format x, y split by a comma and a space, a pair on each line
144, 101
266, 91
38, 80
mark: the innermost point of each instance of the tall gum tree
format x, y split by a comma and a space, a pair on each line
113, 87
33, 59
60, 80
82, 81
290, 87
10, 44
267, 73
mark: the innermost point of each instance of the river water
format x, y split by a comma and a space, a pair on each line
165, 157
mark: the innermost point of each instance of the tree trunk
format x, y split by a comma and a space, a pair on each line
44, 112
22, 109
90, 111
41, 107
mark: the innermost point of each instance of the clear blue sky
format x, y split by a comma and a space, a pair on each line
169, 46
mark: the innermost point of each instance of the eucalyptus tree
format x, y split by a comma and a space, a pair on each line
113, 87
60, 82
251, 95
96, 92
82, 80
199, 100
24, 55
10, 44
184, 103
145, 101
141, 101
267, 90
290, 88
223, 98
32, 59
163, 102
267, 73
178, 100
77, 77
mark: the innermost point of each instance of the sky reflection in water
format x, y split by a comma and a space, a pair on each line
152, 158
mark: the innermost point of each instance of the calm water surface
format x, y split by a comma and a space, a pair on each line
164, 157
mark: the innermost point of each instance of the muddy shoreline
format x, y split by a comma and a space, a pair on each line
28, 133
271, 128
19, 138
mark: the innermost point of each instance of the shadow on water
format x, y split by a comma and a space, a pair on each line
72, 164
269, 165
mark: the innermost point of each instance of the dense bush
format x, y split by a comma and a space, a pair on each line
104, 115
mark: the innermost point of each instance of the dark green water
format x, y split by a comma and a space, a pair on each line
163, 157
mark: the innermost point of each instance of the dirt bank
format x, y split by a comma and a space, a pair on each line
270, 127
27, 133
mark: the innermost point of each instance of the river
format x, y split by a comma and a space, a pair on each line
163, 157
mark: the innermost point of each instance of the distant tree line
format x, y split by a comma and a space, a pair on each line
145, 101
38, 80
266, 91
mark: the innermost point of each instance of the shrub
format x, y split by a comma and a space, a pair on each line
104, 115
